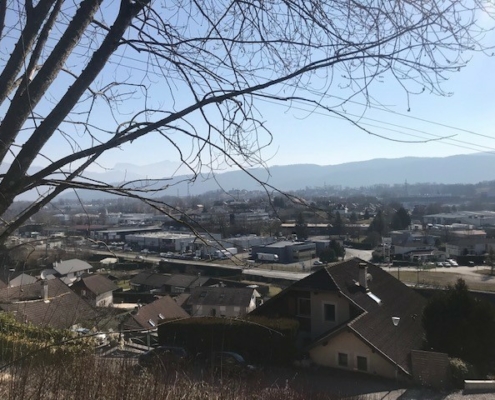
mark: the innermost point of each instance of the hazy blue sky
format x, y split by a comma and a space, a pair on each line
301, 135
466, 119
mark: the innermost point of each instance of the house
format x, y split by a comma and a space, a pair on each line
148, 317
222, 301
177, 284
148, 281
96, 289
21, 279
348, 314
49, 303
69, 270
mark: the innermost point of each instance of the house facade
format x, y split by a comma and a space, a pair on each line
96, 289
346, 320
222, 301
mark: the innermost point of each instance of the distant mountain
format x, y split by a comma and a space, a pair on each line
471, 168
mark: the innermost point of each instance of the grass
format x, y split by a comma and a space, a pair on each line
94, 378
441, 279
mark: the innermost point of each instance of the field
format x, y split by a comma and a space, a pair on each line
477, 280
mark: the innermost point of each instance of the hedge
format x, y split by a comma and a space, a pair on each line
260, 340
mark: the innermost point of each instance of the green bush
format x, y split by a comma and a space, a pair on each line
460, 371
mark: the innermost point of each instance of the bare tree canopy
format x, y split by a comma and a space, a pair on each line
97, 75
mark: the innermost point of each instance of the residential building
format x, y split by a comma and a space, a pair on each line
148, 317
96, 289
346, 316
222, 301
47, 303
70, 270
178, 283
148, 282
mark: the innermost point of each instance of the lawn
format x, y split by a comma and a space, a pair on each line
442, 279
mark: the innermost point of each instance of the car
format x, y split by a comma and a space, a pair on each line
470, 263
317, 262
228, 363
452, 262
446, 264
139, 258
163, 356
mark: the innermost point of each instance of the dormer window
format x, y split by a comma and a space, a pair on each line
151, 322
161, 316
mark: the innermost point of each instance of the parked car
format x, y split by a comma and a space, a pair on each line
227, 363
163, 356
452, 262
317, 262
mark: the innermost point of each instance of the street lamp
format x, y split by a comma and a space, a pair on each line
395, 321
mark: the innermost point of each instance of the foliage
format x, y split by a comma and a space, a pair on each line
458, 324
332, 252
338, 225
461, 370
379, 224
18, 341
373, 239
490, 260
301, 227
94, 378
401, 219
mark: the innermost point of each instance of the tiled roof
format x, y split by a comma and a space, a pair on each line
71, 266
150, 279
222, 296
184, 281
22, 279
156, 312
375, 324
63, 309
97, 284
374, 321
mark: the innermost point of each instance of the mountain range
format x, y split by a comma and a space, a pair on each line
472, 168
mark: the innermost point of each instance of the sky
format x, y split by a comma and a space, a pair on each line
457, 124
461, 123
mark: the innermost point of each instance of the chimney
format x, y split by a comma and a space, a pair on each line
44, 285
363, 275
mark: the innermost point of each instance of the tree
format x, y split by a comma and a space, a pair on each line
101, 75
490, 260
379, 224
353, 218
460, 325
338, 225
401, 219
301, 228
332, 252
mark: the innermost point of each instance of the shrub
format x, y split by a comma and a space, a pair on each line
460, 371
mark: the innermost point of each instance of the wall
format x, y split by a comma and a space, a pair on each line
347, 342
104, 299
318, 324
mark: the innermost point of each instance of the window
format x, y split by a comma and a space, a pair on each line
362, 363
343, 360
329, 312
304, 307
